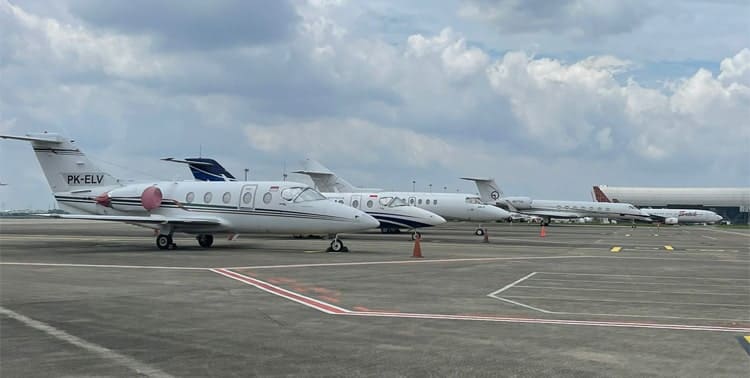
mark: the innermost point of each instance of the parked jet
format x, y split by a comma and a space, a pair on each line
548, 209
393, 213
451, 206
675, 216
199, 208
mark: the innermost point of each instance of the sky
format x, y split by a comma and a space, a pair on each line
548, 97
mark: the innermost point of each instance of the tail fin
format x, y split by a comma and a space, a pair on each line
204, 169
325, 180
489, 192
67, 169
599, 195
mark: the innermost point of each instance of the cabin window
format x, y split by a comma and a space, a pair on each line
369, 203
355, 204
226, 197
427, 202
411, 201
267, 198
434, 202
207, 197
567, 207
247, 198
599, 208
591, 208
419, 201
190, 197
559, 207
606, 208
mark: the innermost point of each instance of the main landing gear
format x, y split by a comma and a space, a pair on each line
479, 231
205, 240
165, 242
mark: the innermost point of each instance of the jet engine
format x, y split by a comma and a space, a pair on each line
672, 220
132, 198
519, 203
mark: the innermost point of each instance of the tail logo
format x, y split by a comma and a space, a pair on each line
494, 195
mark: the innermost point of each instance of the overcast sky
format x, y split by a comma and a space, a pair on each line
548, 97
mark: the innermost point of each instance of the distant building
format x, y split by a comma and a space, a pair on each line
731, 203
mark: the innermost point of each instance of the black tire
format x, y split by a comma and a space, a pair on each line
205, 240
337, 245
164, 241
415, 235
479, 232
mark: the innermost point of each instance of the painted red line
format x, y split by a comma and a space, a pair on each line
332, 309
307, 301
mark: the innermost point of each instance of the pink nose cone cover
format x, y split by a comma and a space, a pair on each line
151, 198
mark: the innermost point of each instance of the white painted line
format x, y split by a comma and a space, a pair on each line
637, 275
708, 237
745, 294
681, 284
335, 310
104, 266
640, 302
139, 367
514, 283
396, 262
728, 232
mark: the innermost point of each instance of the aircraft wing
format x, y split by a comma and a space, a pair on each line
553, 214
153, 219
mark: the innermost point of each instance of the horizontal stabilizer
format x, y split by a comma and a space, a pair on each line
41, 138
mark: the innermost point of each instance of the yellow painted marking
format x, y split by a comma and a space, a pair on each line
616, 249
747, 339
669, 248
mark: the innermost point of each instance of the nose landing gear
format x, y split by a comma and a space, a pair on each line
337, 246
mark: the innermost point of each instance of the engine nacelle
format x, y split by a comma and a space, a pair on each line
519, 203
672, 220
132, 198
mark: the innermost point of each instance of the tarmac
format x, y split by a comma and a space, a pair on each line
99, 299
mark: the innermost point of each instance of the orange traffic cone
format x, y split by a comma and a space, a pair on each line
486, 236
543, 232
417, 248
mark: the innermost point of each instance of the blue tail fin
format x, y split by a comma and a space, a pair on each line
208, 170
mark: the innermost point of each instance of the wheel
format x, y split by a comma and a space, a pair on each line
337, 245
164, 241
205, 240
416, 235
479, 232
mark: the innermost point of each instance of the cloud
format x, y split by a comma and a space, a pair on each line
194, 24
584, 18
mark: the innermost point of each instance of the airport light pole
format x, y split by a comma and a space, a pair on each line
445, 189
413, 185
246, 170
430, 185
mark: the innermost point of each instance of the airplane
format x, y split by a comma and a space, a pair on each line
198, 208
549, 209
392, 212
670, 216
451, 206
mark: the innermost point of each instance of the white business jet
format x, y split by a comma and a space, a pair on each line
393, 213
549, 209
451, 206
199, 208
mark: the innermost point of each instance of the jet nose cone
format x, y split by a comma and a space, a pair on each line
366, 221
437, 219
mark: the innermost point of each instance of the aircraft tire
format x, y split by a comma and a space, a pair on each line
164, 241
337, 246
415, 235
205, 240
479, 232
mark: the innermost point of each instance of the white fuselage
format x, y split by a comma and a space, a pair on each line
453, 206
573, 209
685, 215
240, 207
387, 211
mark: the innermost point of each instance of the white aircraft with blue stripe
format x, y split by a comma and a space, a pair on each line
199, 208
392, 212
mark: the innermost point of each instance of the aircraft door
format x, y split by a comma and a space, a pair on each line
412, 201
247, 197
355, 201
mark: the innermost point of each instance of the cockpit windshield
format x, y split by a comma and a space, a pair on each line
474, 200
392, 202
301, 194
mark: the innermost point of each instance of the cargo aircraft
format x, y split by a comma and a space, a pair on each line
549, 209
392, 212
198, 208
451, 206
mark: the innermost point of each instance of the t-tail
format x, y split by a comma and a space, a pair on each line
328, 182
66, 168
489, 192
